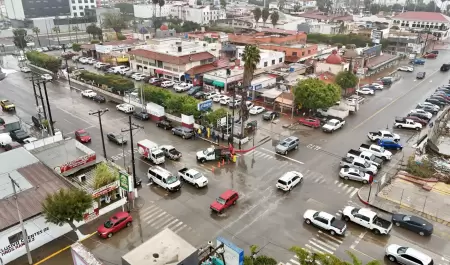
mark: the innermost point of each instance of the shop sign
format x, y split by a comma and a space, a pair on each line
376, 36
105, 189
204, 105
81, 161
20, 243
91, 213
258, 86
124, 181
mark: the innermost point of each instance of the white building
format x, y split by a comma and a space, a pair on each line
437, 23
199, 14
323, 28
268, 57
77, 7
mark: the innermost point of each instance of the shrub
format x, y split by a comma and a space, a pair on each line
423, 169
45, 61
95, 41
76, 47
116, 83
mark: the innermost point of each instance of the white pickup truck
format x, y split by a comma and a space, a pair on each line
193, 177
383, 134
377, 150
407, 124
368, 219
88, 93
358, 163
325, 221
333, 125
368, 156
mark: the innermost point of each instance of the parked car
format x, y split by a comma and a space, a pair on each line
325, 221
257, 110
25, 69
47, 77
427, 109
422, 112
414, 119
413, 223
429, 105
420, 75
182, 87
270, 115
141, 115
430, 56
355, 174
199, 95
225, 200
183, 132
390, 144
116, 138
436, 102
407, 255
194, 90
310, 122
116, 223
406, 68
225, 100
88, 93
82, 136
210, 95
165, 124
365, 91
99, 99
287, 145
167, 84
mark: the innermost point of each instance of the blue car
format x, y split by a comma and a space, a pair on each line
389, 144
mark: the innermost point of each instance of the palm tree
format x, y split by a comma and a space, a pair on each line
274, 18
257, 14
57, 30
161, 3
154, 2
115, 21
90, 30
265, 15
36, 31
76, 29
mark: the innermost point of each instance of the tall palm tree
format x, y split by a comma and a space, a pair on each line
154, 2
57, 30
265, 15
257, 14
76, 29
274, 17
90, 30
161, 3
36, 31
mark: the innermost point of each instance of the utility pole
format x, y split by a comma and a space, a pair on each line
49, 109
24, 232
132, 126
99, 114
67, 64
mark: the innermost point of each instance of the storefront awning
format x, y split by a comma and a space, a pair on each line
272, 93
218, 84
159, 71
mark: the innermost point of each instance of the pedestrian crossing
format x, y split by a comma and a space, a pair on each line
258, 154
334, 184
159, 220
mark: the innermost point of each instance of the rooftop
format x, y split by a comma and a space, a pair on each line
170, 58
223, 73
112, 43
423, 16
35, 180
165, 248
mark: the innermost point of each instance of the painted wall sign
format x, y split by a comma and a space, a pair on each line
105, 189
76, 163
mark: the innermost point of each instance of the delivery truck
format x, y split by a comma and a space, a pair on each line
151, 151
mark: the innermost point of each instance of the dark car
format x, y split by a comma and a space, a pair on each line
199, 95
116, 138
441, 94
427, 109
19, 135
165, 124
146, 79
99, 99
435, 52
420, 75
435, 102
419, 115
194, 90
183, 132
12, 145
386, 81
416, 119
142, 115
105, 67
445, 67
270, 115
413, 223
441, 99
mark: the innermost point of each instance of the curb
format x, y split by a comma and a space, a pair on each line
368, 204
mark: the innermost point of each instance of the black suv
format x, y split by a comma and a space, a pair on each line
19, 135
142, 115
183, 132
420, 75
99, 99
116, 138
165, 124
194, 90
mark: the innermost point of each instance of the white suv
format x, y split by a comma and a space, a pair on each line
289, 180
167, 84
88, 93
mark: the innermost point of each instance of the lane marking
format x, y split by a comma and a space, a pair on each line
318, 246
392, 102
296, 161
294, 261
353, 193
331, 243
179, 229
331, 237
313, 249
356, 242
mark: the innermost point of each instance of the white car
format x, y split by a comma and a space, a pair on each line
25, 69
47, 77
429, 105
123, 70
365, 91
249, 104
219, 97
76, 58
421, 111
182, 87
127, 108
406, 68
39, 50
140, 77
136, 76
289, 180
99, 64
210, 95
257, 110
22, 58
91, 61
167, 84
88, 93
407, 255
378, 86
225, 100
83, 60
325, 221
354, 174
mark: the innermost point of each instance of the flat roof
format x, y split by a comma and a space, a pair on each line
35, 180
58, 153
164, 248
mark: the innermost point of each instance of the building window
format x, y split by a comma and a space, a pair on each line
74, 7
81, 14
281, 59
15, 238
86, 1
80, 1
303, 53
75, 14
92, 7
294, 53
309, 51
273, 62
265, 64
81, 7
73, 1
87, 7
92, 1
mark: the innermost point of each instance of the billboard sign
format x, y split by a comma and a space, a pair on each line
204, 105
105, 189
81, 161
376, 36
124, 180
233, 255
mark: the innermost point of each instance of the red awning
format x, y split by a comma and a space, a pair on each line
159, 71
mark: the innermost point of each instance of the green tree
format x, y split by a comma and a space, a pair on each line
76, 29
49, 62
315, 94
115, 21
199, 2
265, 15
19, 38
432, 7
76, 47
297, 7
57, 30
346, 79
36, 31
154, 2
375, 9
66, 206
104, 175
91, 30
367, 4
257, 14
213, 116
274, 17
324, 5
161, 3
255, 259
251, 57
223, 3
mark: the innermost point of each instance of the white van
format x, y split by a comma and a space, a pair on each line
119, 69
5, 139
126, 108
163, 178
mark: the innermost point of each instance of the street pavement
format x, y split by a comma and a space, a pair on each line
264, 215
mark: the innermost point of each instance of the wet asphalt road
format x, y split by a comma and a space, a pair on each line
264, 215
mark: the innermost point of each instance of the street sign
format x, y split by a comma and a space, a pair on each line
124, 182
205, 105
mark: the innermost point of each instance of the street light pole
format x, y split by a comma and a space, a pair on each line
67, 64
132, 127
99, 114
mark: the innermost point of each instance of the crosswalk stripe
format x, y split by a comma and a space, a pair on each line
152, 214
322, 181
325, 245
353, 193
179, 229
171, 223
177, 225
334, 244
317, 180
313, 249
340, 185
163, 221
336, 181
345, 186
250, 152
156, 219
148, 209
294, 261
287, 263
318, 246
330, 237
349, 190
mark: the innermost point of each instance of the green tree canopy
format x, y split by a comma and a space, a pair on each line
265, 14
115, 21
274, 17
104, 175
223, 3
214, 115
257, 14
346, 79
307, 257
345, 39
76, 47
36, 31
44, 60
66, 206
19, 38
313, 93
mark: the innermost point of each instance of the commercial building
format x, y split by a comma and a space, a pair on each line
437, 23
20, 10
319, 27
408, 42
78, 7
267, 57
